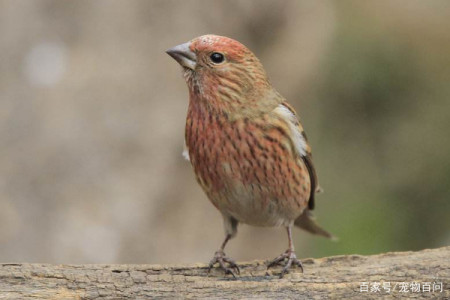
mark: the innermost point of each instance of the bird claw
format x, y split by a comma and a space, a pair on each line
291, 260
222, 260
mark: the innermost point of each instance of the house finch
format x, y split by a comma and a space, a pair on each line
245, 143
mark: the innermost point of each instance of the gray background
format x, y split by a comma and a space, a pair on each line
92, 116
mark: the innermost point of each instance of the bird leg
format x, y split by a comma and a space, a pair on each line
222, 260
288, 255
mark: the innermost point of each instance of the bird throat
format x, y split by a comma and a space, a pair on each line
218, 100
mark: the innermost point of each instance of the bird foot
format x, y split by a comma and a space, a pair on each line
222, 260
288, 259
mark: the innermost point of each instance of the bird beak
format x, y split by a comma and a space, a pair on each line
183, 55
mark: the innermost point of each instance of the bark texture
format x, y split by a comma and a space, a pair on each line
336, 277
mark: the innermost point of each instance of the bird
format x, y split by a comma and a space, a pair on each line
246, 145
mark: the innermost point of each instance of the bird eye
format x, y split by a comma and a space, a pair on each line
217, 58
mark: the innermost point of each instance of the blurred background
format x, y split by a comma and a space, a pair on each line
92, 114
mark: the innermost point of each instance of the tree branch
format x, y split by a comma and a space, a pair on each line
324, 278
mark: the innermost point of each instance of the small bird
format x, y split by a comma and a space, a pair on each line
247, 147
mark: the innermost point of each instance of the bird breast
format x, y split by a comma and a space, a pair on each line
249, 168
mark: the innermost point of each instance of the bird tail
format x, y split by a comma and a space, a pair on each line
307, 222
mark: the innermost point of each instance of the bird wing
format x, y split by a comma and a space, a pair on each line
300, 141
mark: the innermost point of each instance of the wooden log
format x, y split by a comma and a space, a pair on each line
338, 277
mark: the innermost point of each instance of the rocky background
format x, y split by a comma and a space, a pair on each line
92, 115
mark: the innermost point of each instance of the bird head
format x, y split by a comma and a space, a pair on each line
223, 73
